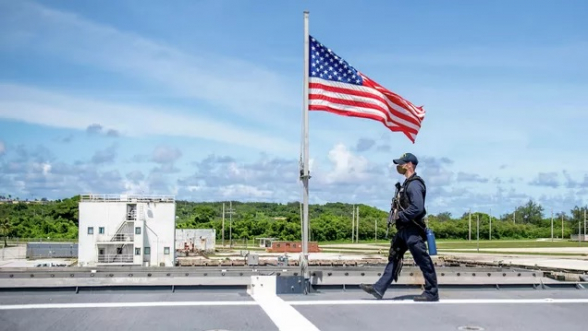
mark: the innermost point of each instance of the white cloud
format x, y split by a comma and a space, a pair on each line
2, 147
347, 167
346, 177
251, 192
106, 155
30, 178
165, 154
135, 187
245, 89
46, 108
547, 179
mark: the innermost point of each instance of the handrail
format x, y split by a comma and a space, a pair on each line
114, 258
117, 237
126, 198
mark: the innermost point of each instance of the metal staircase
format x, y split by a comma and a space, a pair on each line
123, 237
121, 234
122, 258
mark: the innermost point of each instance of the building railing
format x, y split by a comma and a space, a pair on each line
126, 198
115, 258
117, 237
132, 215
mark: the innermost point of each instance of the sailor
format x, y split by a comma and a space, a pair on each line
411, 234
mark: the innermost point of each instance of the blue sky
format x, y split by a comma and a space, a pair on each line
202, 100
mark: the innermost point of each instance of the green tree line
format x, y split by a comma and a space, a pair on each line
328, 222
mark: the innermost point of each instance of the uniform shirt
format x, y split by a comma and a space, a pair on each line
415, 193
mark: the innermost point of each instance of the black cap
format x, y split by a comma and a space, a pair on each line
405, 158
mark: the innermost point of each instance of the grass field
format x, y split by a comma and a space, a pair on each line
453, 246
508, 244
516, 253
464, 244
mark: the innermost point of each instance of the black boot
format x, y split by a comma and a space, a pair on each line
425, 297
370, 289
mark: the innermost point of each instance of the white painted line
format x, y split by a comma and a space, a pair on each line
282, 314
278, 308
127, 304
446, 301
263, 290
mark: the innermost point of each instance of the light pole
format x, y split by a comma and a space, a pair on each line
490, 230
551, 224
470, 226
478, 229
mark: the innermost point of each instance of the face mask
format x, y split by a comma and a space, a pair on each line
400, 169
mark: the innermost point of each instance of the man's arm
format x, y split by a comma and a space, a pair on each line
415, 194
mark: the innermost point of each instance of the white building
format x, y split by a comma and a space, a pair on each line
126, 230
199, 239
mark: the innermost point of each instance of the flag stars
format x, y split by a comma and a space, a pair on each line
327, 65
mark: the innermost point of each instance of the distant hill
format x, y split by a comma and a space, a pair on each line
329, 222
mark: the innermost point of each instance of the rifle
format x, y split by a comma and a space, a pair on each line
395, 205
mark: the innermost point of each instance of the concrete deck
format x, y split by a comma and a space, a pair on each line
329, 310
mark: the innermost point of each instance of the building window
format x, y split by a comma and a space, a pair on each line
137, 251
101, 251
101, 230
147, 250
137, 230
166, 250
90, 230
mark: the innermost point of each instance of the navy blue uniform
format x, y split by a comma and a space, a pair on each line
411, 236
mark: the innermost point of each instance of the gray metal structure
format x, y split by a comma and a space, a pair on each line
218, 298
252, 259
75, 279
48, 250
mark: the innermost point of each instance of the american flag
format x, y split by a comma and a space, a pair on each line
337, 87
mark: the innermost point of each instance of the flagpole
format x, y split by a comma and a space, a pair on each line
305, 171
